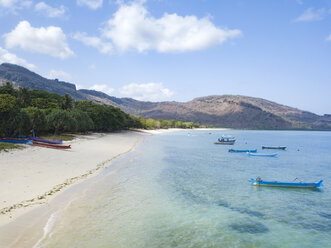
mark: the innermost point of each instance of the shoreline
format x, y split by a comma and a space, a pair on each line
33, 177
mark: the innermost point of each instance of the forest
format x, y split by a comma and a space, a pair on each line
23, 111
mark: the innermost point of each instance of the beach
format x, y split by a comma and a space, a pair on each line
172, 190
33, 176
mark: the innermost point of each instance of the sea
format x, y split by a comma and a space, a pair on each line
179, 189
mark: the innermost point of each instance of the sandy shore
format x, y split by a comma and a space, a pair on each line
32, 176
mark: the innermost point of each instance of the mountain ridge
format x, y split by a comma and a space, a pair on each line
231, 111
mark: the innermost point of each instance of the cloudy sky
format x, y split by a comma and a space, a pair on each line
160, 50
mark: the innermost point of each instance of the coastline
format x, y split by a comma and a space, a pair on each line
32, 177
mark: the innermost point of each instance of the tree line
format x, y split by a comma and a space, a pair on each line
23, 110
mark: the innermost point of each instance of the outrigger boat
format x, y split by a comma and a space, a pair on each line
36, 143
14, 140
224, 140
259, 182
261, 154
45, 140
239, 150
274, 147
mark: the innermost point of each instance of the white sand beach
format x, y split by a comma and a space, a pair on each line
30, 178
34, 175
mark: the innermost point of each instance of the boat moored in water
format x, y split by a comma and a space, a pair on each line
225, 140
259, 182
242, 150
274, 147
261, 154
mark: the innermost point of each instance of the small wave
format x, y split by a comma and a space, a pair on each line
47, 228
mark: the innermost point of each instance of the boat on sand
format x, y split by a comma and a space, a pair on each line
14, 140
36, 143
45, 140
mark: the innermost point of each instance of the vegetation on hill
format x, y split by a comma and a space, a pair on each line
231, 111
22, 110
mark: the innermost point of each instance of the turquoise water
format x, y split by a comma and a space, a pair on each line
181, 190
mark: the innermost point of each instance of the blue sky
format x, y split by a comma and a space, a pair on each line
177, 50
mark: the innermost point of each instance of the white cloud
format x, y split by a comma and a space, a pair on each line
50, 40
7, 57
103, 88
328, 38
146, 92
92, 4
49, 10
103, 47
299, 2
13, 5
79, 87
311, 15
8, 3
61, 75
133, 27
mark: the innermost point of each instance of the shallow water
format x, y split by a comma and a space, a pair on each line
181, 190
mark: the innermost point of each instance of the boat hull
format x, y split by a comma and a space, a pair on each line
14, 141
46, 140
286, 184
224, 143
261, 154
35, 143
274, 147
238, 150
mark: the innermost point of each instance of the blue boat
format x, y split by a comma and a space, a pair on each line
274, 147
259, 182
14, 141
261, 154
238, 150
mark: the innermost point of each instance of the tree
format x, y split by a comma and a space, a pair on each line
8, 89
44, 103
68, 102
38, 119
21, 123
150, 124
8, 110
164, 124
59, 120
84, 122
7, 103
23, 97
105, 117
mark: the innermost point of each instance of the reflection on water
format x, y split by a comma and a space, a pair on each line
180, 190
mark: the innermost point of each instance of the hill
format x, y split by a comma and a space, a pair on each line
232, 111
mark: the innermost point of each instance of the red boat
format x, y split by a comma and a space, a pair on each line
36, 143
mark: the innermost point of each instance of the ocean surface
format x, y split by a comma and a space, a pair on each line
180, 190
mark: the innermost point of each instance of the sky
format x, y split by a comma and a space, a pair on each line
171, 50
